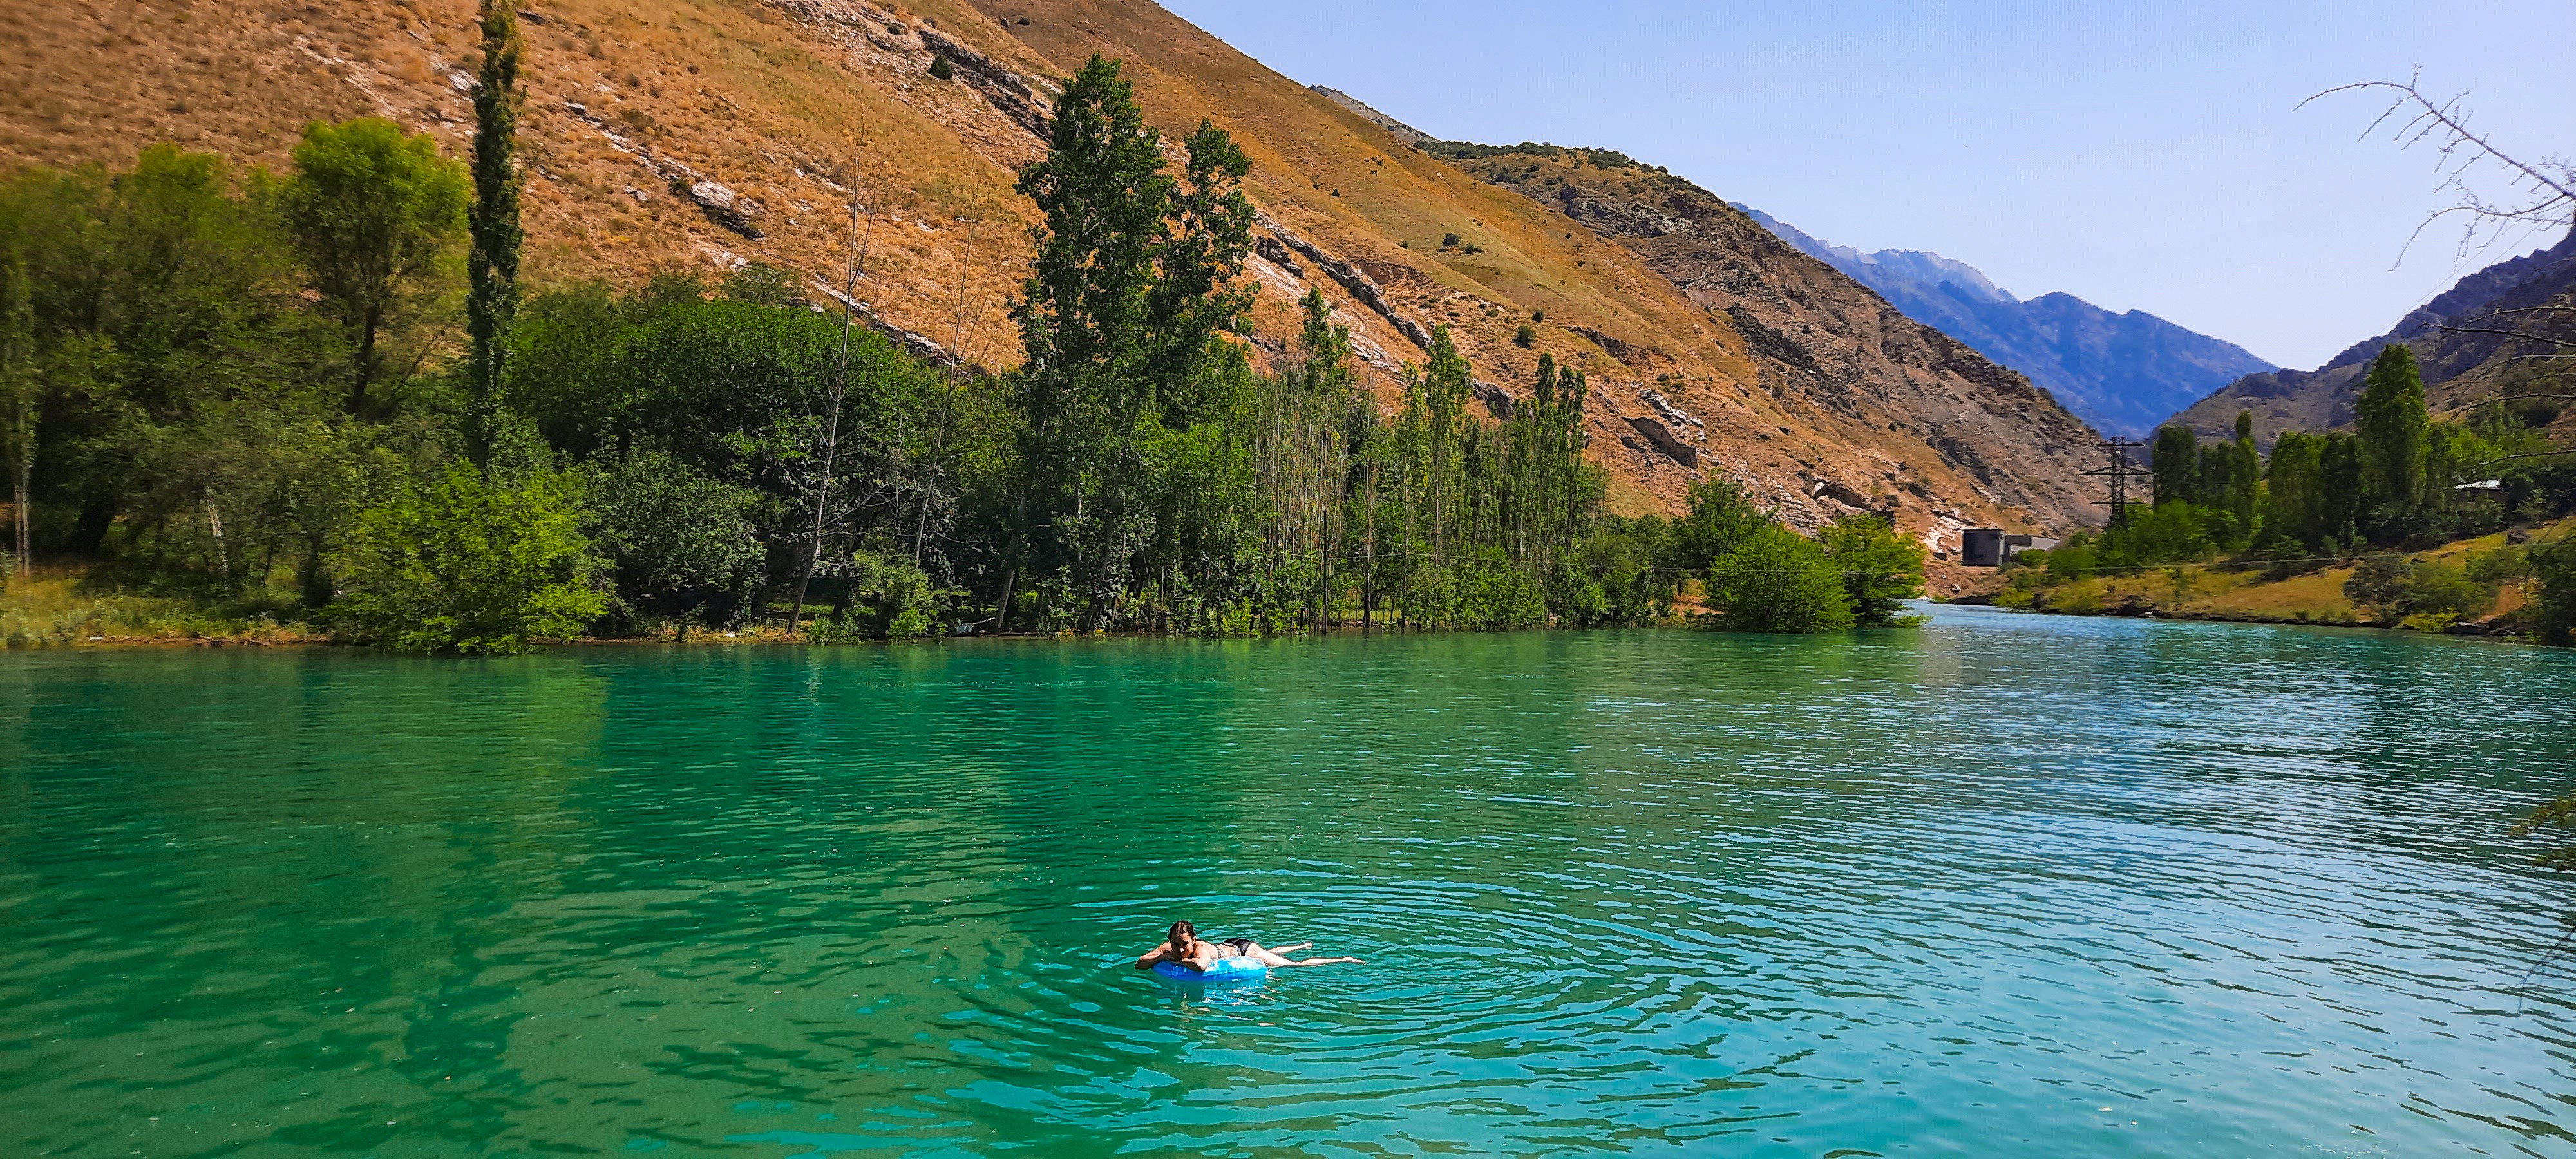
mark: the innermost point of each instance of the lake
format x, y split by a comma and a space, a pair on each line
2002, 886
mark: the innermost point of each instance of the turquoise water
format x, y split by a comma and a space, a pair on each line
2006, 885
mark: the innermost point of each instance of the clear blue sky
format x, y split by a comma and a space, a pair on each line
2139, 156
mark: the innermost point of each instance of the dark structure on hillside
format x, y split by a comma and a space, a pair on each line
1992, 546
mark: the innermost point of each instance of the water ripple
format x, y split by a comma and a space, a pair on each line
2008, 885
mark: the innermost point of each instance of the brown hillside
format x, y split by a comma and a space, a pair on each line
708, 132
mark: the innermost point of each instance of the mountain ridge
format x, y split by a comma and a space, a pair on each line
2458, 368
2123, 371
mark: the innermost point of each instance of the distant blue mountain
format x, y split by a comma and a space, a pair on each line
2123, 373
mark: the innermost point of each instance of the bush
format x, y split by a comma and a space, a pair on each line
940, 68
668, 528
2553, 603
1448, 241
1776, 580
1484, 591
1880, 569
2398, 589
461, 565
1526, 337
891, 598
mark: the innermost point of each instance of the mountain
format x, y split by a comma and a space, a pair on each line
2122, 372
708, 133
2458, 367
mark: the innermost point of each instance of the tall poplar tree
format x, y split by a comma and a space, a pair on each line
2176, 462
1132, 283
18, 396
2390, 421
2244, 475
492, 268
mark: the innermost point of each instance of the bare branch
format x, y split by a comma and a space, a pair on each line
2412, 118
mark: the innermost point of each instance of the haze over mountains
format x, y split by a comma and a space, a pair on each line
2123, 372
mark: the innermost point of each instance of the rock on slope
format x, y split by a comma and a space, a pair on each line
2122, 372
2457, 367
706, 133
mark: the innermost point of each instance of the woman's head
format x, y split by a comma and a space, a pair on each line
1182, 935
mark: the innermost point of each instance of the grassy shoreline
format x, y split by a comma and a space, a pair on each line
2223, 592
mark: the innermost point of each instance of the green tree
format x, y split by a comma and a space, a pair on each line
2245, 477
2398, 588
1776, 580
465, 565
1880, 568
376, 215
1132, 285
492, 262
891, 598
2175, 462
2553, 602
2294, 495
2389, 421
665, 527
1720, 516
18, 402
2343, 498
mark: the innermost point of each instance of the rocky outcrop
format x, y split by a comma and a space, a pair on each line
1004, 88
1871, 387
718, 201
1664, 440
1269, 246
1360, 286
722, 205
1634, 355
919, 345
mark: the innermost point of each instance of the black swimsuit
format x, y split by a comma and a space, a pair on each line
1232, 947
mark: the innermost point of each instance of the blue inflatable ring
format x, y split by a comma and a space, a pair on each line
1222, 970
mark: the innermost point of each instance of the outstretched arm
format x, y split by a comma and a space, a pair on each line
1161, 953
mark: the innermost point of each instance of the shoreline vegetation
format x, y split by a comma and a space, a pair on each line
2459, 525
265, 407
2247, 593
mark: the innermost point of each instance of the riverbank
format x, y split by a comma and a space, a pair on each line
2256, 592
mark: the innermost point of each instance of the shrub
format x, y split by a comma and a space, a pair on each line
939, 68
1880, 568
461, 565
2553, 603
668, 527
2398, 589
1526, 337
1776, 580
1448, 241
891, 598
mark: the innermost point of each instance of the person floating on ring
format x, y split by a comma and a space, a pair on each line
1183, 947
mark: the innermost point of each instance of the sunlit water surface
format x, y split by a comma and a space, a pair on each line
2002, 886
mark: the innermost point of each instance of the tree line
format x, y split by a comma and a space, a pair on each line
2398, 481
323, 394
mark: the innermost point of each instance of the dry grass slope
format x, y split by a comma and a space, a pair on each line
790, 103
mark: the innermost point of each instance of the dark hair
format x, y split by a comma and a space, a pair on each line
1179, 929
